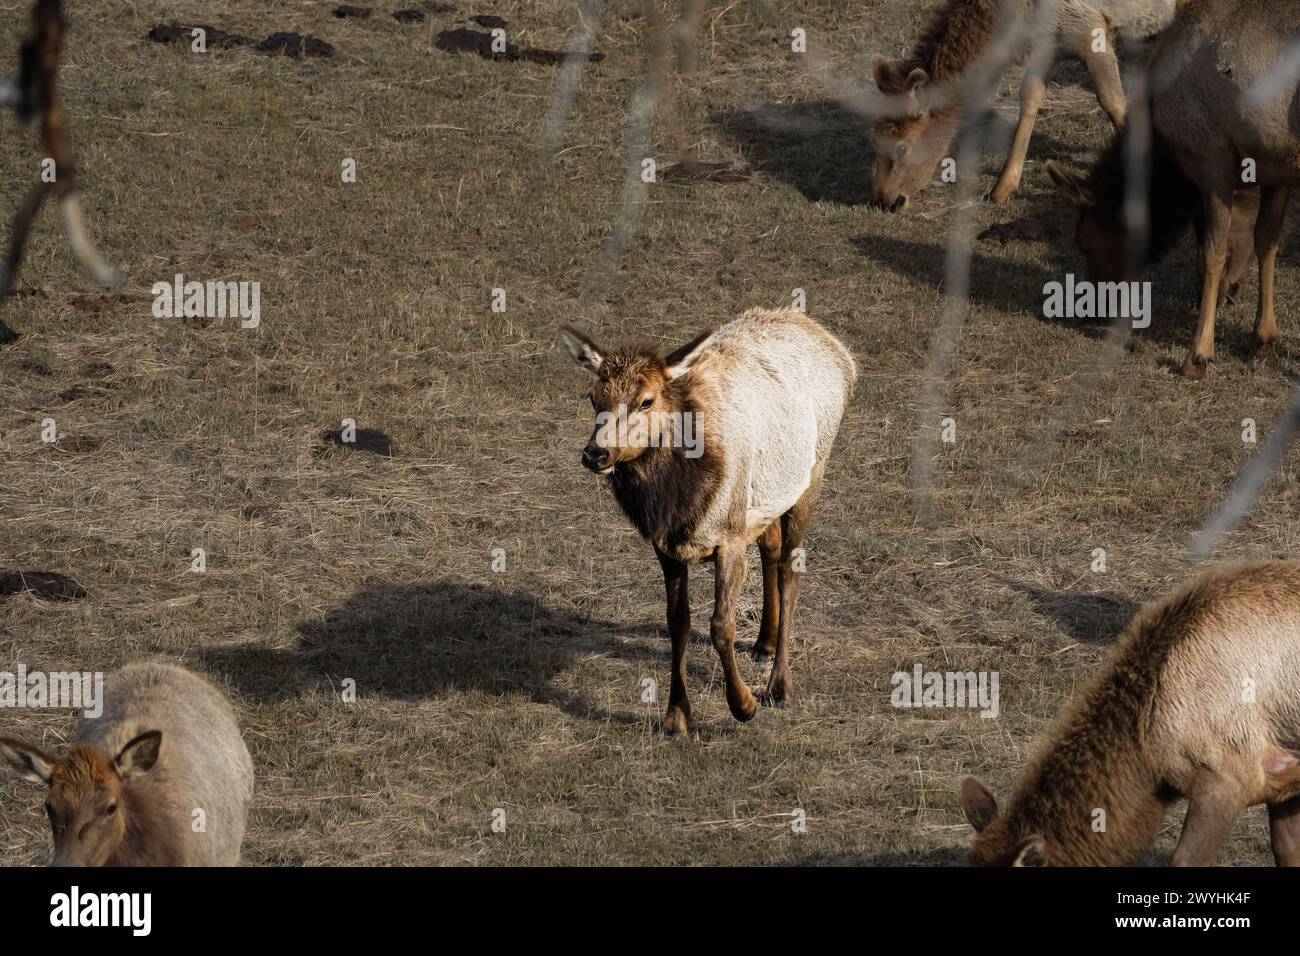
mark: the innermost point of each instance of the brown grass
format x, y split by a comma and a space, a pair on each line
521, 690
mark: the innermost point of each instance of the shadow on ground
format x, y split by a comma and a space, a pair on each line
410, 642
1090, 618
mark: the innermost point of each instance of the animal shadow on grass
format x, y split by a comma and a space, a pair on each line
1089, 618
411, 642
1010, 285
819, 148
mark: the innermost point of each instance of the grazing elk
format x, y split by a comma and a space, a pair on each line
717, 445
911, 143
1201, 699
35, 92
1173, 206
165, 753
1200, 109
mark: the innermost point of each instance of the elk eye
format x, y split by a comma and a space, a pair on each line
901, 151
647, 403
110, 809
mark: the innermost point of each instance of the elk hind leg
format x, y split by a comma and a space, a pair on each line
794, 525
769, 550
1269, 225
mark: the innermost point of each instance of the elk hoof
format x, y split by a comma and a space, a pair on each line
1196, 366
1261, 347
745, 710
673, 725
999, 195
761, 653
7, 334
771, 699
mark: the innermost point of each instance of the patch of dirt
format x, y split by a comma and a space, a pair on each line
50, 585
294, 45
462, 40
78, 444
1029, 230
345, 10
367, 439
408, 16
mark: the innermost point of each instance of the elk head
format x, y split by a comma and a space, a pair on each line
86, 794
1098, 230
635, 393
911, 138
995, 842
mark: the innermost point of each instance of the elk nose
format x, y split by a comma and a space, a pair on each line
898, 204
595, 458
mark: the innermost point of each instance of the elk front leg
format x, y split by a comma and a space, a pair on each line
769, 549
794, 525
677, 717
1032, 89
1269, 226
729, 575
1211, 812
1217, 203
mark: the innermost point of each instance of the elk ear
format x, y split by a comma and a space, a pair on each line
1071, 182
885, 74
1031, 851
139, 755
582, 349
977, 803
28, 762
679, 361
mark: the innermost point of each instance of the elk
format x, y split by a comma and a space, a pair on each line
717, 445
35, 92
913, 139
1199, 109
164, 754
1173, 206
1199, 700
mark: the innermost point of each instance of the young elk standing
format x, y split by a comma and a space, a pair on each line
126, 793
715, 446
910, 146
1199, 110
1201, 700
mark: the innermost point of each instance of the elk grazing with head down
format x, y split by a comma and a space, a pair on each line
1207, 112
164, 756
1173, 205
715, 446
918, 134
1201, 699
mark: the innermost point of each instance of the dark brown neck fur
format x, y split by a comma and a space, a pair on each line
1173, 200
663, 492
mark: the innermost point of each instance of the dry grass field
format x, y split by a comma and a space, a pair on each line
521, 690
